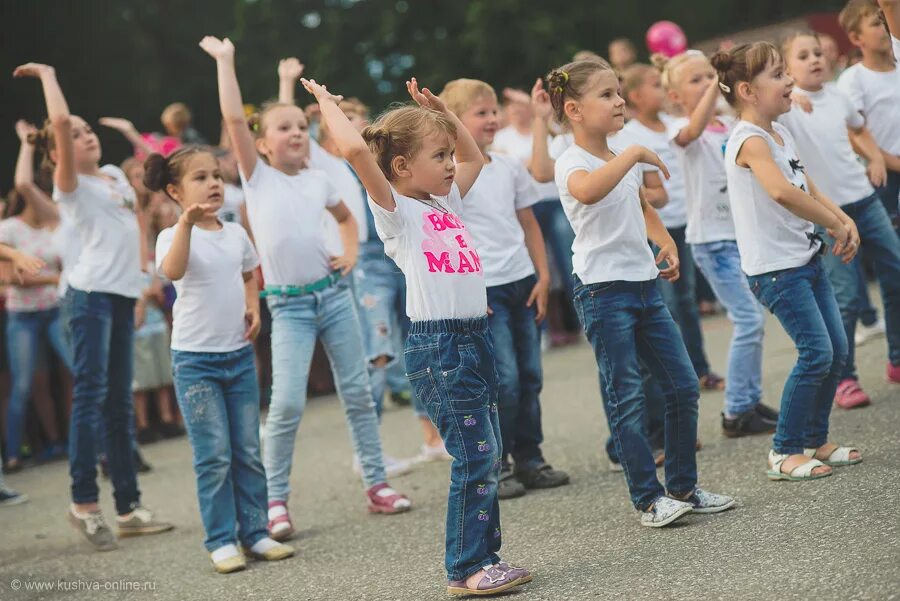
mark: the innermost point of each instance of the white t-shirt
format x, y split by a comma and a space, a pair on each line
285, 213
102, 210
68, 243
824, 145
769, 237
559, 145
230, 212
674, 214
610, 235
431, 245
349, 190
503, 187
709, 216
209, 309
877, 96
509, 141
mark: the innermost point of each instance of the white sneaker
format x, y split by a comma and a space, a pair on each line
866, 333
438, 453
392, 466
665, 511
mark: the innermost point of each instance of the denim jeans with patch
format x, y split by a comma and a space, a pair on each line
451, 369
803, 301
628, 323
219, 398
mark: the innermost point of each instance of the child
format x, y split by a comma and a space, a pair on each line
699, 141
306, 289
774, 203
102, 288
211, 264
617, 298
825, 149
497, 211
622, 54
406, 162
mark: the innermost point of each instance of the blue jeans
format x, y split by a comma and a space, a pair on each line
890, 198
680, 297
628, 323
219, 398
720, 262
803, 301
26, 333
868, 314
451, 369
883, 247
297, 321
517, 351
102, 327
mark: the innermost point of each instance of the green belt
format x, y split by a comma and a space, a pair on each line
317, 286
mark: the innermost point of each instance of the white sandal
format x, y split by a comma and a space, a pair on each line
838, 457
804, 471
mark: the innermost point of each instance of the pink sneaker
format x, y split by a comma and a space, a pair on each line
893, 373
849, 395
384, 499
280, 526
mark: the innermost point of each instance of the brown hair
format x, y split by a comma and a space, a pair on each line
459, 94
742, 63
44, 141
634, 77
179, 114
399, 132
789, 40
160, 171
570, 81
350, 107
854, 12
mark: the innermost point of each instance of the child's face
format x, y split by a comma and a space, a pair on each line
482, 121
136, 177
201, 183
601, 109
432, 169
86, 145
286, 139
518, 114
806, 62
621, 55
691, 80
772, 89
650, 95
871, 36
830, 51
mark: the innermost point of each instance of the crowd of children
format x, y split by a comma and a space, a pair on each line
418, 244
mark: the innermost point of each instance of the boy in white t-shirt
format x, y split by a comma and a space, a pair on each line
497, 211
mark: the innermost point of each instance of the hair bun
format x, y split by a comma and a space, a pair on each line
722, 61
659, 60
156, 172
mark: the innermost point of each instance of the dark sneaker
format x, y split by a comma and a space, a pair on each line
94, 528
494, 581
707, 502
509, 487
147, 436
10, 497
712, 381
542, 476
171, 430
140, 522
664, 511
141, 466
402, 399
767, 413
748, 423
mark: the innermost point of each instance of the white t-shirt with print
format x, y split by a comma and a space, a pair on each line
349, 190
611, 234
824, 144
877, 96
769, 237
285, 213
102, 210
209, 309
709, 217
503, 187
432, 246
510, 142
233, 200
674, 214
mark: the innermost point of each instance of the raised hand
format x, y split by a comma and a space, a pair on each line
290, 68
24, 129
424, 97
514, 95
216, 48
117, 123
198, 212
320, 91
540, 100
37, 70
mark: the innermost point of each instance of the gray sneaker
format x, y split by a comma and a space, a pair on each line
707, 502
94, 528
664, 511
10, 497
141, 523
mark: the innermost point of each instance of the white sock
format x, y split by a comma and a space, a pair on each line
276, 511
264, 544
226, 552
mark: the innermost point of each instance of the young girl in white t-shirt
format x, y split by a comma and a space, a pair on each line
103, 286
211, 263
616, 295
699, 141
406, 162
775, 206
306, 290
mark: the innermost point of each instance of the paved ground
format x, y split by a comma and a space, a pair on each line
837, 538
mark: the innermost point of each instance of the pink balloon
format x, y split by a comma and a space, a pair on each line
666, 38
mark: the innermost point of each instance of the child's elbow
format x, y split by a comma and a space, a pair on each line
61, 121
355, 151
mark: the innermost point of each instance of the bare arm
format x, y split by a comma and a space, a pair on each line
534, 241
592, 187
654, 191
541, 165
251, 304
175, 263
702, 115
891, 9
43, 205
659, 235
289, 71
349, 232
865, 145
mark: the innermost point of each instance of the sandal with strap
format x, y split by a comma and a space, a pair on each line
801, 472
838, 457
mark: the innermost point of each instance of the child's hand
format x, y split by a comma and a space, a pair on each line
118, 124
540, 100
24, 129
668, 253
539, 294
802, 101
514, 95
424, 97
877, 171
26, 265
290, 68
218, 49
645, 155
37, 70
196, 213
345, 263
846, 241
320, 91
251, 320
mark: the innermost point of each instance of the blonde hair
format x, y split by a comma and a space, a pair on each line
668, 66
179, 114
854, 12
742, 63
352, 107
789, 40
257, 121
460, 94
587, 55
570, 81
634, 77
400, 131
